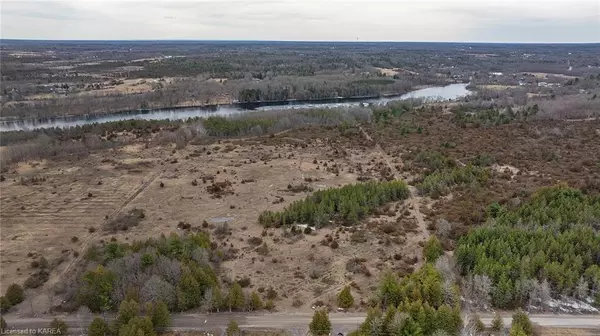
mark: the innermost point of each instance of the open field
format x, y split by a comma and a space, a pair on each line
427, 211
43, 217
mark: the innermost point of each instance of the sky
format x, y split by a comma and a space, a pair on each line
304, 20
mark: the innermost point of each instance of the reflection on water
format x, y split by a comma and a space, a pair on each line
452, 91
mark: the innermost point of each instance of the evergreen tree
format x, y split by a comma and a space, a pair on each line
161, 318
497, 323
320, 324
433, 249
345, 299
98, 327
255, 303
520, 320
233, 329
410, 328
3, 325
235, 299
479, 326
96, 289
137, 326
127, 311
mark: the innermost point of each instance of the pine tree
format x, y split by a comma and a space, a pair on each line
410, 328
235, 298
345, 299
255, 303
320, 324
433, 249
161, 318
232, 328
98, 327
137, 326
497, 323
127, 311
479, 326
521, 321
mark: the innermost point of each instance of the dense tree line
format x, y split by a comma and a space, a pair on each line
177, 270
549, 245
440, 182
346, 205
419, 304
487, 117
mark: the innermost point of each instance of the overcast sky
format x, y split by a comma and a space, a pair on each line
329, 20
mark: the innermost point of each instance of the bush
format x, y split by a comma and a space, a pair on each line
520, 321
433, 249
59, 325
345, 299
232, 328
497, 323
5, 304
3, 325
125, 221
98, 327
14, 294
270, 305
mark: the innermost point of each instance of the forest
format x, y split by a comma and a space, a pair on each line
547, 246
179, 271
345, 205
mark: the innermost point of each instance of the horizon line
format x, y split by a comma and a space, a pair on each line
288, 41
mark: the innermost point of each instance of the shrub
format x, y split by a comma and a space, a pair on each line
263, 249
5, 304
244, 282
125, 221
497, 323
14, 294
521, 321
270, 305
98, 327
440, 182
232, 328
3, 325
255, 241
74, 239
59, 325
433, 249
271, 293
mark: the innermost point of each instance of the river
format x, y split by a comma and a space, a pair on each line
438, 93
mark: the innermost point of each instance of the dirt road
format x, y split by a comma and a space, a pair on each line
295, 323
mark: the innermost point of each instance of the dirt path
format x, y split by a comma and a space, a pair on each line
414, 201
90, 238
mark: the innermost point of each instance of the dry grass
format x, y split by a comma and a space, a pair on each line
60, 208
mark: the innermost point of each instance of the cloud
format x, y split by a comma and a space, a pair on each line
373, 20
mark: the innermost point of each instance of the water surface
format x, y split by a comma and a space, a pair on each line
439, 93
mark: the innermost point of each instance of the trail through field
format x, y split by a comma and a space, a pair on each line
414, 201
90, 238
